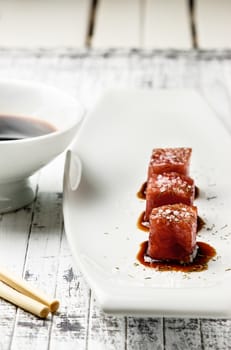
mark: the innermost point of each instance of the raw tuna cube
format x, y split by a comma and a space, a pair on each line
170, 159
172, 234
168, 188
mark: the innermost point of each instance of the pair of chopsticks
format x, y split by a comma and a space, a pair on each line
19, 292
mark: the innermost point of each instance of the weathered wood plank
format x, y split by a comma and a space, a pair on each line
41, 256
213, 23
14, 233
216, 334
70, 324
144, 333
182, 334
105, 332
49, 263
46, 23
167, 24
117, 24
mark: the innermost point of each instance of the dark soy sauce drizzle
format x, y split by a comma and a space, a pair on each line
17, 128
142, 191
144, 225
141, 194
204, 254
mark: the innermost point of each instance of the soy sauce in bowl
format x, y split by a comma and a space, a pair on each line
18, 128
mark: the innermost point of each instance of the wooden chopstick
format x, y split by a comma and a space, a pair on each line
23, 301
24, 288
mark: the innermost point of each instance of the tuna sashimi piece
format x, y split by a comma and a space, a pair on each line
172, 234
170, 159
168, 188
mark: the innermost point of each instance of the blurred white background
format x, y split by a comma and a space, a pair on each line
161, 24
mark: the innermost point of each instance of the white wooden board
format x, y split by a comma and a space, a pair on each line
46, 23
167, 24
213, 23
117, 24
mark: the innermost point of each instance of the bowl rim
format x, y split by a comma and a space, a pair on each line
37, 84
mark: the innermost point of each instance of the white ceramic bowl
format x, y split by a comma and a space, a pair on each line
20, 159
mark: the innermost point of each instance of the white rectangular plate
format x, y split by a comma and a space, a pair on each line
101, 208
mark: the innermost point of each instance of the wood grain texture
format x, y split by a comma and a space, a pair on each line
182, 334
33, 241
105, 332
14, 232
41, 259
216, 335
70, 324
145, 333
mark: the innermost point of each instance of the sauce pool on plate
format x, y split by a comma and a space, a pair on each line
204, 254
144, 225
141, 194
